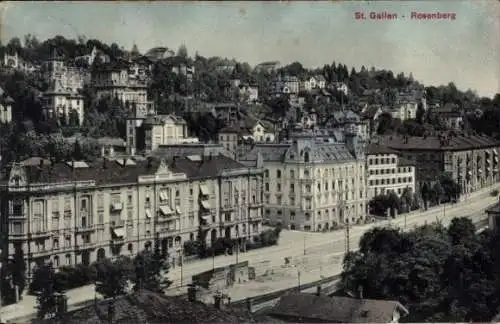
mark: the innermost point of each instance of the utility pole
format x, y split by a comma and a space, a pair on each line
182, 264
304, 244
237, 246
213, 259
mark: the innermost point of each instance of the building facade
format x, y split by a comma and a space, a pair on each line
387, 171
63, 100
311, 184
78, 212
471, 160
165, 130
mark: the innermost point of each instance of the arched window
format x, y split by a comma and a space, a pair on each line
278, 174
306, 157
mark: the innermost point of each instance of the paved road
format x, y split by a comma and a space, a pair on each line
323, 257
321, 246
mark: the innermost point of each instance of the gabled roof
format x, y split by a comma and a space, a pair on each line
309, 307
375, 149
149, 307
370, 112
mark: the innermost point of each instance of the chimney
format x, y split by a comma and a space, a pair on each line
318, 291
249, 302
218, 300
111, 312
360, 292
192, 293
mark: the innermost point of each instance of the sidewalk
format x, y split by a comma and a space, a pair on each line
27, 306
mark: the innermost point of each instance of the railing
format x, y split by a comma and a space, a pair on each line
117, 223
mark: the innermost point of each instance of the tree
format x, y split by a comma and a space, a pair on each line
77, 151
438, 192
19, 270
381, 203
461, 230
151, 269
420, 114
182, 51
425, 192
47, 293
112, 277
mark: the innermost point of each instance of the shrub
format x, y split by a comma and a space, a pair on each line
494, 193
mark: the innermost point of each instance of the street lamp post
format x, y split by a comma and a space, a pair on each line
304, 244
237, 246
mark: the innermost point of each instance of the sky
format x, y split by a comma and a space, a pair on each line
464, 51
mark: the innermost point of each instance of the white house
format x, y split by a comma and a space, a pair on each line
313, 82
342, 87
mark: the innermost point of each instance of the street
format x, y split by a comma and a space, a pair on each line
312, 256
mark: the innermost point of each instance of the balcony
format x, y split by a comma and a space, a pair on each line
85, 246
117, 223
227, 208
18, 236
17, 215
85, 228
307, 194
39, 234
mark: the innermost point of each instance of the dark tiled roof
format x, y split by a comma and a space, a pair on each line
148, 307
370, 112
105, 171
310, 307
495, 209
434, 143
374, 149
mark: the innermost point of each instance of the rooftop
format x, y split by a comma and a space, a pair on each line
112, 171
375, 149
148, 307
313, 308
439, 143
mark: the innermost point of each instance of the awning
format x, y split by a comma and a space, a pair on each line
163, 196
117, 206
206, 218
166, 210
148, 213
178, 210
204, 190
119, 232
205, 204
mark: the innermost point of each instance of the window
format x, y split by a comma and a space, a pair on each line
129, 198
306, 157
68, 259
292, 187
266, 173
278, 187
55, 244
278, 174
292, 216
266, 186
292, 174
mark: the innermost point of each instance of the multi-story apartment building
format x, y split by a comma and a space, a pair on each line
285, 85
63, 98
471, 160
114, 81
165, 130
387, 171
77, 212
313, 184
